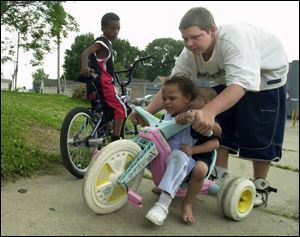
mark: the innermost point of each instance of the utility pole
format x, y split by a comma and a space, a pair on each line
58, 64
17, 62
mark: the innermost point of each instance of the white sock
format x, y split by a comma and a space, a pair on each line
220, 171
164, 199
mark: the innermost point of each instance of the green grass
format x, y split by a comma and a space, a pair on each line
30, 130
30, 126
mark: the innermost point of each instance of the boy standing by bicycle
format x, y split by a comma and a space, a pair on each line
100, 55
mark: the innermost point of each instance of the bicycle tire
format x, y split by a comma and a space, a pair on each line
129, 130
76, 155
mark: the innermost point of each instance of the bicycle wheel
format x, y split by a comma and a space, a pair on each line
101, 190
129, 130
75, 150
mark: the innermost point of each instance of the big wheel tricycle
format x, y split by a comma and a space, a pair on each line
115, 173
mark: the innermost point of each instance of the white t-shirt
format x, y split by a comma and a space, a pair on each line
243, 55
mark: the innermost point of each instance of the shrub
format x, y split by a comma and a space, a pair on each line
80, 92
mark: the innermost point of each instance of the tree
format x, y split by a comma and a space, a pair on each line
72, 56
39, 75
38, 79
165, 51
124, 55
38, 22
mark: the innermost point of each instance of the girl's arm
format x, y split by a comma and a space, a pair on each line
208, 146
189, 116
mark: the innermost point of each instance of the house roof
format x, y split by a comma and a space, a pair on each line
137, 81
159, 79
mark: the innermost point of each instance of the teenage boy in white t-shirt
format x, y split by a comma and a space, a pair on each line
248, 68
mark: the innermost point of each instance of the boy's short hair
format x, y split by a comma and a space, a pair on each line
205, 92
185, 84
197, 16
108, 17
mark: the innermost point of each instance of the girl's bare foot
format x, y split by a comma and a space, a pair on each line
156, 190
187, 213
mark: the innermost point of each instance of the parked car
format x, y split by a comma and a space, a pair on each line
148, 99
144, 101
138, 101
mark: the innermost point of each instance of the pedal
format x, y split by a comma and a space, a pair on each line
95, 141
134, 199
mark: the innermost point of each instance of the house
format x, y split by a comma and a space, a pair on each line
50, 86
136, 88
139, 88
6, 84
159, 80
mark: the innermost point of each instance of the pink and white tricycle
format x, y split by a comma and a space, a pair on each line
115, 173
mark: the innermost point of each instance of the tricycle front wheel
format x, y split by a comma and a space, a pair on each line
101, 190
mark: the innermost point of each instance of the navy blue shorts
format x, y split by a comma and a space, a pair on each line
254, 127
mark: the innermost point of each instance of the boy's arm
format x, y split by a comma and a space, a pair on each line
85, 70
208, 146
217, 130
189, 116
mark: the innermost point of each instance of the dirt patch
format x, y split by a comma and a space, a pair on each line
44, 138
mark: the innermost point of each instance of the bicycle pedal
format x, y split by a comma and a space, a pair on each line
95, 141
134, 199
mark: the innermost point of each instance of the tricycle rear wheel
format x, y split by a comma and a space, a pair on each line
235, 199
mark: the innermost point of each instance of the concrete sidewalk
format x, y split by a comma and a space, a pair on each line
53, 205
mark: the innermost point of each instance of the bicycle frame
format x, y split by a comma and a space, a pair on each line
124, 96
87, 130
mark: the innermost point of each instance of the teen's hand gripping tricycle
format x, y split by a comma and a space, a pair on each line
115, 174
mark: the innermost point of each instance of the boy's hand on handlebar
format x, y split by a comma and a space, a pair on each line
136, 119
86, 71
203, 122
185, 117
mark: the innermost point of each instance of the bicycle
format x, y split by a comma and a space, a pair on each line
114, 176
85, 131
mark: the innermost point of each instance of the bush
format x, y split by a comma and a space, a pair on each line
80, 92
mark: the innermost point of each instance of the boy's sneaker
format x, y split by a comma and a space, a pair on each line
215, 175
263, 189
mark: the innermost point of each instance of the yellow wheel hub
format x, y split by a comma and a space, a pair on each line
245, 200
108, 189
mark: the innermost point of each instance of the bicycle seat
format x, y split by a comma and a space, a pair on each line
167, 128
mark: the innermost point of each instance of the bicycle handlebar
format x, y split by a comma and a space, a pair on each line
130, 69
167, 127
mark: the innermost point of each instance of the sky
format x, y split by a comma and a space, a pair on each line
144, 21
